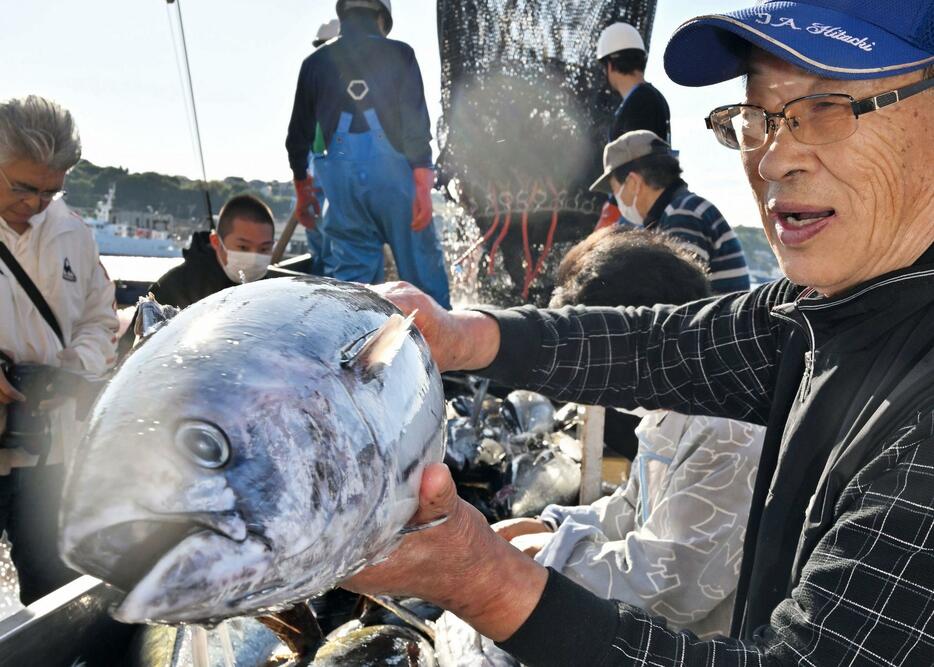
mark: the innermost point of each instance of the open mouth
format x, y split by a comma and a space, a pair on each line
204, 578
799, 219
124, 553
795, 225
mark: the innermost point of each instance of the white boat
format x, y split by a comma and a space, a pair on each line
128, 241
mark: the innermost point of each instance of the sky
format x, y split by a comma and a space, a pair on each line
113, 64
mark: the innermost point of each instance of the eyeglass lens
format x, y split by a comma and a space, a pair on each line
818, 120
23, 192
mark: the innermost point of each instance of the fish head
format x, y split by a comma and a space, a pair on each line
205, 467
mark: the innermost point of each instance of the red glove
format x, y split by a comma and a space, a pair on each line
610, 215
307, 195
421, 206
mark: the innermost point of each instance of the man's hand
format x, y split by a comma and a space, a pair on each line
70, 359
8, 393
510, 529
460, 565
459, 340
307, 196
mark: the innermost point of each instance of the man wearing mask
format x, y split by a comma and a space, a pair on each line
366, 94
621, 52
56, 312
644, 177
237, 252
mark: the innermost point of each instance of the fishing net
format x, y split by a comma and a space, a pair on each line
525, 110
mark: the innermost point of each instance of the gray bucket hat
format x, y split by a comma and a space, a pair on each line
628, 149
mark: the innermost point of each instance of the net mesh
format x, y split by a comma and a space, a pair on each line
525, 115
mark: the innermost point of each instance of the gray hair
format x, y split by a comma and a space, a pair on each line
38, 130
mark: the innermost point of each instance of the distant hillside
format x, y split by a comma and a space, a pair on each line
759, 255
176, 195
184, 199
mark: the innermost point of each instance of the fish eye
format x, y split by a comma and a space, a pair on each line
203, 444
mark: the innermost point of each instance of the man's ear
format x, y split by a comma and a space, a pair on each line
215, 242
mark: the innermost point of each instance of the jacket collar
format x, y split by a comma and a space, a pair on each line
665, 198
867, 310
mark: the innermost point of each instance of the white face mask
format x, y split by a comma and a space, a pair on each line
629, 211
245, 267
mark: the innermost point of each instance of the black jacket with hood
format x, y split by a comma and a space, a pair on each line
200, 275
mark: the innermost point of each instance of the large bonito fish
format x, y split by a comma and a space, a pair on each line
261, 446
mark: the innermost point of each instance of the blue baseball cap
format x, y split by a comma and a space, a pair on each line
838, 39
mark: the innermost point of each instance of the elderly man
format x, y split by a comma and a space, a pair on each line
56, 309
837, 137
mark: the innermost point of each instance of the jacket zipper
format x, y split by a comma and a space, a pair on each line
808, 330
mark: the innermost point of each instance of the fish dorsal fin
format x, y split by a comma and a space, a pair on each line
378, 348
151, 316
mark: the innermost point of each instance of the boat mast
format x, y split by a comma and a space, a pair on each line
189, 91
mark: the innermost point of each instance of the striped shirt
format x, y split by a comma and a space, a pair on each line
696, 222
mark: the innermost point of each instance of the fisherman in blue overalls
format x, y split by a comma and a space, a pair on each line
366, 94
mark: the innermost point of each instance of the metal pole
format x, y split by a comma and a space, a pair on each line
591, 436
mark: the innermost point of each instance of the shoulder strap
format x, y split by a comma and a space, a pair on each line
32, 291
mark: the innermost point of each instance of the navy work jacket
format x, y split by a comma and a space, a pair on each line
358, 71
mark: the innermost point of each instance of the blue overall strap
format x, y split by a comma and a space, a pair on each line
372, 120
343, 125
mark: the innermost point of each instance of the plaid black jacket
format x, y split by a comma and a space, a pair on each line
838, 561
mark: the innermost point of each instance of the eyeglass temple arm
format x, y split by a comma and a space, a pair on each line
891, 97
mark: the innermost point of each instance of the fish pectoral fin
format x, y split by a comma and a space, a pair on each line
378, 348
151, 316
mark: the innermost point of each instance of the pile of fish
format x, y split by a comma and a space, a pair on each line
511, 457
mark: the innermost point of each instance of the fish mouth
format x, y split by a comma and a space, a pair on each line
205, 577
122, 554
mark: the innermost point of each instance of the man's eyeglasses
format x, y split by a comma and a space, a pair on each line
814, 119
23, 192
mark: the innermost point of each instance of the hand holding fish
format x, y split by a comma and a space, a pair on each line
460, 565
459, 340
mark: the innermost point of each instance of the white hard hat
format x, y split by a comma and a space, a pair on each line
385, 5
327, 32
617, 37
